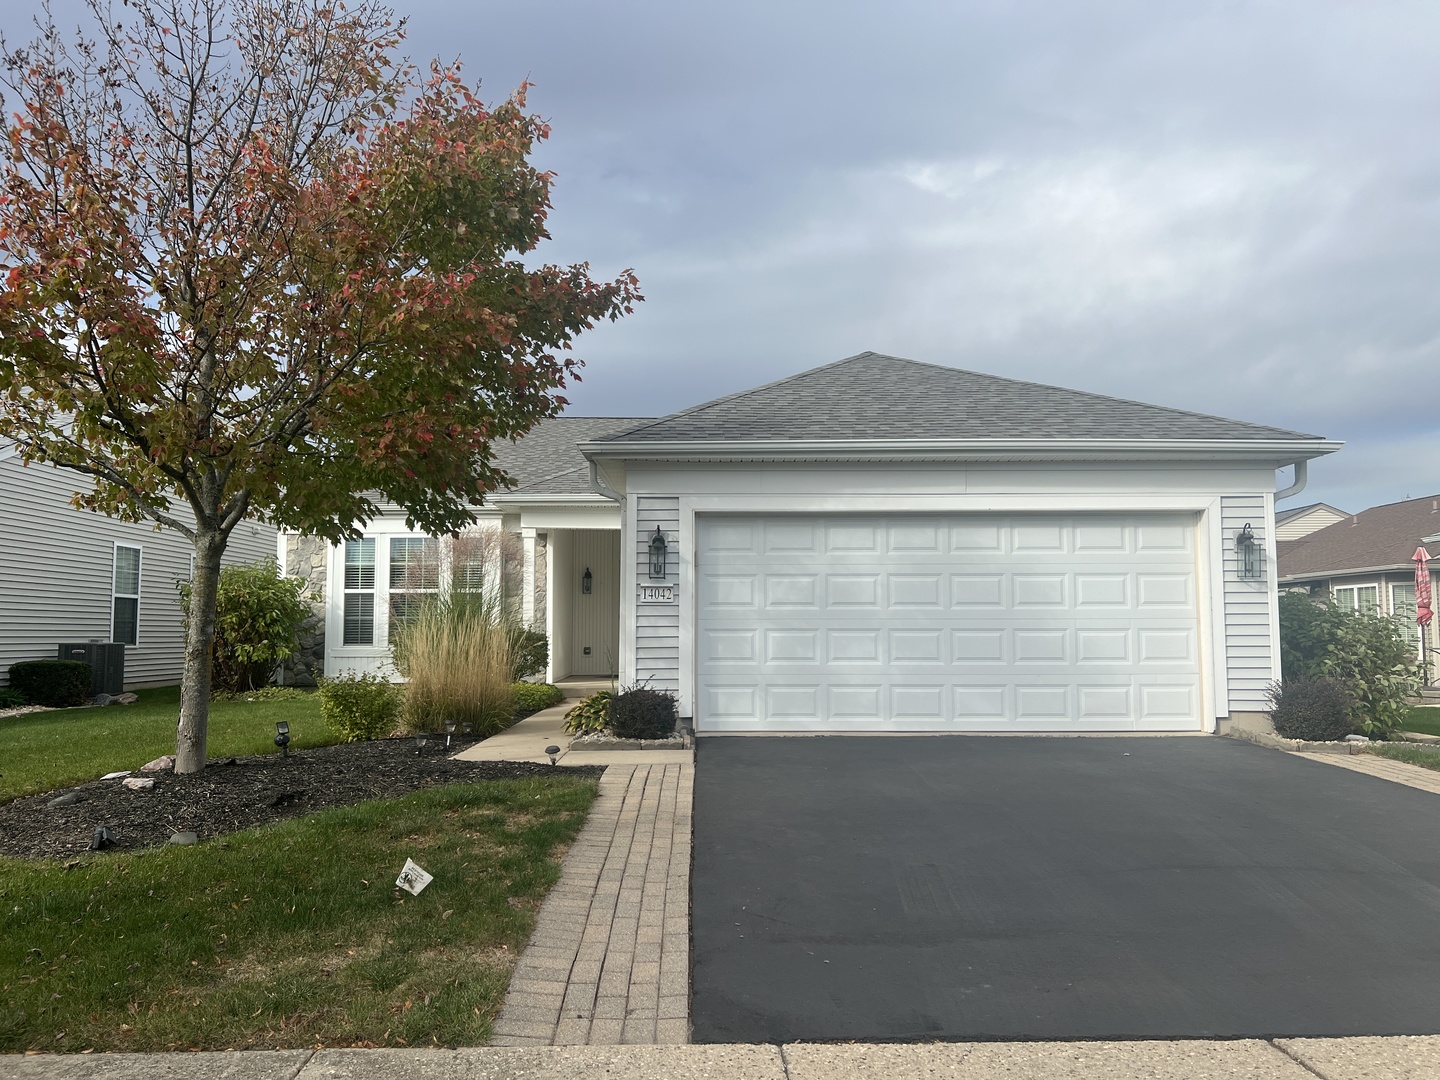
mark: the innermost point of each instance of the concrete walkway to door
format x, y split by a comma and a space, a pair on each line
1042, 888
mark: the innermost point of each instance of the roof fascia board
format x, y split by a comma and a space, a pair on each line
1284, 451
1316, 575
588, 498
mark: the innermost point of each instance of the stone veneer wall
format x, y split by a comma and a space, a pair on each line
541, 595
306, 557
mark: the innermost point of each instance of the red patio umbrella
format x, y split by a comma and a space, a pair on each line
1423, 612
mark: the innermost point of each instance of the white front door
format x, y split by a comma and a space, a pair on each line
910, 622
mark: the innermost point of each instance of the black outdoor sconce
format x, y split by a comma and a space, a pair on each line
282, 737
1248, 554
657, 554
587, 582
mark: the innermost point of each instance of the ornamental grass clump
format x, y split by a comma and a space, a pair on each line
457, 655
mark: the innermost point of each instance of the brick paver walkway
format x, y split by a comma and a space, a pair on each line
1373, 765
609, 961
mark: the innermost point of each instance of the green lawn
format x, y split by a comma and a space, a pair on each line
1411, 753
291, 935
48, 750
1422, 718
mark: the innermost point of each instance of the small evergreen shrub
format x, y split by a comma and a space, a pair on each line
11, 699
359, 707
1317, 710
590, 716
642, 713
532, 654
59, 684
531, 697
258, 616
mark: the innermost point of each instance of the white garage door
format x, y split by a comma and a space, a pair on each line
955, 622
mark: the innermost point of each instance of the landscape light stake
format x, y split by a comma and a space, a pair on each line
449, 732
282, 737
554, 752
420, 741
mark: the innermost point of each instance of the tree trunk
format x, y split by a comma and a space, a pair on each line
199, 638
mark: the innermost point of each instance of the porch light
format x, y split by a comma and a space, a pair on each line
657, 554
1248, 554
587, 582
282, 737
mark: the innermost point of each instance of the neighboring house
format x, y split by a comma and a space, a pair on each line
76, 576
1300, 521
1363, 562
885, 545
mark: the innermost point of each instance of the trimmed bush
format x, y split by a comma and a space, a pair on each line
1317, 710
258, 616
359, 707
532, 655
643, 713
11, 699
590, 716
531, 697
60, 684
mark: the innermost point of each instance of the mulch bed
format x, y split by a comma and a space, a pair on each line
239, 793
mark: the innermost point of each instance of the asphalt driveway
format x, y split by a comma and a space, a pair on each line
1012, 888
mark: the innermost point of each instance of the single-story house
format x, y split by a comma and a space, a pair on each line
882, 545
1295, 522
1363, 562
75, 576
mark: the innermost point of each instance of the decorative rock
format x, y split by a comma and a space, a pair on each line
183, 839
70, 798
127, 699
115, 775
1356, 738
101, 699
160, 764
138, 783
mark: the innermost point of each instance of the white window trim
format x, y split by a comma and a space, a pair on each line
441, 578
139, 588
373, 592
1381, 595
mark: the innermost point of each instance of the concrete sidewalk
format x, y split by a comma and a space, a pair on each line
1394, 1058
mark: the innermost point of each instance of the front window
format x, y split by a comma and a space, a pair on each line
1362, 598
125, 596
1402, 606
414, 578
359, 616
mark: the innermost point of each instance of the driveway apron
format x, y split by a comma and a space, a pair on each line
950, 887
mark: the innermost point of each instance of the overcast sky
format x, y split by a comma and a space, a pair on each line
1228, 207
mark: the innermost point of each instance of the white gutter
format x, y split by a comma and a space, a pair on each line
600, 484
1302, 475
1283, 451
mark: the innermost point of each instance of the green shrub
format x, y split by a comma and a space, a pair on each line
531, 697
59, 684
1367, 654
1318, 710
456, 654
258, 616
590, 716
11, 699
642, 713
358, 707
532, 654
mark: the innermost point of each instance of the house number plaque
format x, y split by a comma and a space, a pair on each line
657, 594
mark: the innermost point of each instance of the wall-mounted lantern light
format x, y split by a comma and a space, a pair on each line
1249, 554
587, 582
657, 554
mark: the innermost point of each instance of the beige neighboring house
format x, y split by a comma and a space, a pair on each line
1362, 562
1300, 521
75, 576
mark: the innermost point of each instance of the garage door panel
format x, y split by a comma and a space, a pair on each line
931, 622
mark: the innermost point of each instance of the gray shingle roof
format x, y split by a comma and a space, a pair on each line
545, 461
872, 396
1381, 536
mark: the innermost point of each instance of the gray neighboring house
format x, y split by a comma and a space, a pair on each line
75, 576
882, 545
1363, 562
1297, 522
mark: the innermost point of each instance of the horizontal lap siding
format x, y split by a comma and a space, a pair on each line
56, 564
657, 626
1249, 650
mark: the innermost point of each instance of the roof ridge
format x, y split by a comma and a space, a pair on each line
739, 394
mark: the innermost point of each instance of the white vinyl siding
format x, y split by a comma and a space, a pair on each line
359, 615
58, 564
965, 622
125, 595
657, 626
1249, 656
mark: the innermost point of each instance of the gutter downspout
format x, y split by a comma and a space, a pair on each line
1302, 475
599, 483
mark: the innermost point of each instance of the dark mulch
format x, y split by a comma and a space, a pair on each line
239, 793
